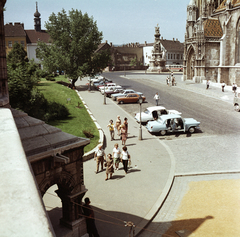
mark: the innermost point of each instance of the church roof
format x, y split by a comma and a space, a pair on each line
212, 28
34, 36
222, 6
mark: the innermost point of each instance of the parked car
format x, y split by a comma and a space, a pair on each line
129, 98
125, 92
100, 82
108, 85
113, 91
172, 123
152, 113
95, 78
110, 88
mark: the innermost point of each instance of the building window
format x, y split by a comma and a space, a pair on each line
174, 56
177, 56
10, 44
171, 56
22, 43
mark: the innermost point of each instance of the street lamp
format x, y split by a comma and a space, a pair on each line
140, 100
104, 98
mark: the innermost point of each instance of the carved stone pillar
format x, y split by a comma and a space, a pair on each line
71, 208
4, 96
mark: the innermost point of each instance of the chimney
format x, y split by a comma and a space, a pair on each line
106, 41
173, 39
161, 38
111, 44
145, 43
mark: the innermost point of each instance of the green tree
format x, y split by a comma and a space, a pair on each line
134, 62
23, 76
74, 41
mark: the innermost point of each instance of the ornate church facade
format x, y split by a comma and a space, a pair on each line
212, 41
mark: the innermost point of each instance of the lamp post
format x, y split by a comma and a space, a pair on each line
140, 100
104, 98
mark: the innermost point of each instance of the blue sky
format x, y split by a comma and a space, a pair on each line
121, 21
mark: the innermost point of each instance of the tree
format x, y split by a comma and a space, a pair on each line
74, 41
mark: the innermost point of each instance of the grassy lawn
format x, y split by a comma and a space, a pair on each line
79, 119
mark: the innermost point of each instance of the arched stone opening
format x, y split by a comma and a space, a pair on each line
190, 64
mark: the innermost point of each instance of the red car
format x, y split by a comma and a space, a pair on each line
130, 98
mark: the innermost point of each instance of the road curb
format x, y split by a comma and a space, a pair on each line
89, 155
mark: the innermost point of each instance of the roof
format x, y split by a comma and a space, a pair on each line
14, 30
102, 46
34, 36
170, 116
212, 28
172, 45
155, 108
222, 6
41, 140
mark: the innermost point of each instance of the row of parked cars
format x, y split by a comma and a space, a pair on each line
158, 119
116, 92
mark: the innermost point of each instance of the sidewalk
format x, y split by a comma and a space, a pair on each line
138, 195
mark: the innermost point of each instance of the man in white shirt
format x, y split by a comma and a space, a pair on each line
156, 98
99, 157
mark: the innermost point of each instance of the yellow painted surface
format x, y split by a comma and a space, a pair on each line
208, 209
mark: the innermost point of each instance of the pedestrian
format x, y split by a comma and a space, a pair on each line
173, 81
99, 157
126, 125
167, 80
118, 124
125, 157
208, 84
123, 134
223, 86
90, 220
116, 155
111, 129
234, 88
156, 98
109, 166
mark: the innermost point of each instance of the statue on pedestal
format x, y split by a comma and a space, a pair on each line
158, 59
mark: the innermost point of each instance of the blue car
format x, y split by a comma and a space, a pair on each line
172, 123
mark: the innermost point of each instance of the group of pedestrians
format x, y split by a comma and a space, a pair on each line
120, 128
110, 160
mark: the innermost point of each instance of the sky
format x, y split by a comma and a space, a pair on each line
121, 21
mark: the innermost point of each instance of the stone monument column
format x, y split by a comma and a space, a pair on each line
4, 96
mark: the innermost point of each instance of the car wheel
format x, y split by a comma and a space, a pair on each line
191, 130
163, 132
120, 102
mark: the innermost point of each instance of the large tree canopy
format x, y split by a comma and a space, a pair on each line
74, 40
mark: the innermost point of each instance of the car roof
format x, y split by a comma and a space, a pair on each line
170, 116
152, 108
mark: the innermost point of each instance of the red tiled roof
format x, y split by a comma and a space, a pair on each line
14, 30
34, 36
171, 45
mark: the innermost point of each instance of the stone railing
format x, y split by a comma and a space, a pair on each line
22, 210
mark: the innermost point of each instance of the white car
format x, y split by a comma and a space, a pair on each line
153, 113
107, 86
110, 88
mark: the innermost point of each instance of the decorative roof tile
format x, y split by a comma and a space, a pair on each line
212, 28
222, 6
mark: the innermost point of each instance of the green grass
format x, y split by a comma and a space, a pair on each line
79, 119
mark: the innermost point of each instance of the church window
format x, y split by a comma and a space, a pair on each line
10, 44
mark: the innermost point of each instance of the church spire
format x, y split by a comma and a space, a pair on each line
37, 19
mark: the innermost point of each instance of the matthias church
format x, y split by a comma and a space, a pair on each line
212, 41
